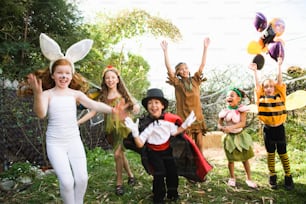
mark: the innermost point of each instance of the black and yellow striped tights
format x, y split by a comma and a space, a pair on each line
285, 162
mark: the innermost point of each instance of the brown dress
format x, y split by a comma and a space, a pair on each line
188, 100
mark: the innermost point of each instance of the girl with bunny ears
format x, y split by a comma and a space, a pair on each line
65, 149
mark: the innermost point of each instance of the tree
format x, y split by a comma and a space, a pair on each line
21, 22
109, 31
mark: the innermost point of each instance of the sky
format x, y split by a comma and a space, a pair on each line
228, 23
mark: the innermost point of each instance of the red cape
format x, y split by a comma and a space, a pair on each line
186, 151
190, 161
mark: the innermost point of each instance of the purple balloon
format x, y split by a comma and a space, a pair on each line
276, 50
260, 22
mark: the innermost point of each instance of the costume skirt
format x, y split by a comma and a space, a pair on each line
238, 147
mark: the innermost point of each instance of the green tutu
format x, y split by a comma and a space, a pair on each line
115, 129
238, 147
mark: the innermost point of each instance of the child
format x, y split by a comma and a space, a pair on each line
112, 91
270, 99
237, 143
65, 149
187, 92
157, 138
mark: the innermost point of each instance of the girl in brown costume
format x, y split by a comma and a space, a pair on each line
187, 92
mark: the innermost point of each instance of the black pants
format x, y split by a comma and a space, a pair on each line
164, 167
275, 139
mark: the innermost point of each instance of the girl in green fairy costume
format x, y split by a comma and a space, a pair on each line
113, 91
237, 142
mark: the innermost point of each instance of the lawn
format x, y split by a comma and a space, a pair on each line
32, 186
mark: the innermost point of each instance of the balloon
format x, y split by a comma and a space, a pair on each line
276, 50
269, 41
260, 22
278, 26
259, 60
268, 35
254, 48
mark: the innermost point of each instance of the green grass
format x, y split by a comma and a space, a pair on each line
101, 184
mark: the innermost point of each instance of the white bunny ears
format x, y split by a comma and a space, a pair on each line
52, 51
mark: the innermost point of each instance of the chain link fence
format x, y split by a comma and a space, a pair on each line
23, 134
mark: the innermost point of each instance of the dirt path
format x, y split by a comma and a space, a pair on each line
214, 153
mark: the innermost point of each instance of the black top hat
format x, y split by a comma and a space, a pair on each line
154, 94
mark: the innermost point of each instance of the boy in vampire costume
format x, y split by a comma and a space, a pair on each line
189, 160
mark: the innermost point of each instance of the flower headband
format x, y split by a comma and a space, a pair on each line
111, 68
52, 51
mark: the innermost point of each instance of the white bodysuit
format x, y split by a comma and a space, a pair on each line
65, 149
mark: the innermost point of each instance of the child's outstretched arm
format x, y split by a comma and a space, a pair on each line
40, 106
279, 71
187, 123
253, 67
164, 46
133, 126
93, 105
204, 55
220, 124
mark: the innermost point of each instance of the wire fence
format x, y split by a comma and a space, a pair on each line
23, 134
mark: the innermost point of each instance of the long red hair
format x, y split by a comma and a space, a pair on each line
78, 82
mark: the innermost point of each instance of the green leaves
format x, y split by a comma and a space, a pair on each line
109, 31
22, 22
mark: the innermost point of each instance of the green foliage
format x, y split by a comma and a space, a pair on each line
108, 31
138, 22
25, 20
22, 22
295, 71
131, 23
102, 181
17, 170
295, 130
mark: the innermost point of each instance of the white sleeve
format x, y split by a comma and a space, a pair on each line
144, 135
173, 128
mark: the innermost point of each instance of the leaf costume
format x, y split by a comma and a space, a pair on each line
238, 144
115, 130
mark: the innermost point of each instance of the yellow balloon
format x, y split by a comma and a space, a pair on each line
254, 48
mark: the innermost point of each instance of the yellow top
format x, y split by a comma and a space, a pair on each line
272, 109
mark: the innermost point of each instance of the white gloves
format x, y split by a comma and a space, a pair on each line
189, 120
132, 126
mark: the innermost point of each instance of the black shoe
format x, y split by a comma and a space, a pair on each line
272, 182
158, 202
119, 190
173, 198
131, 181
289, 185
